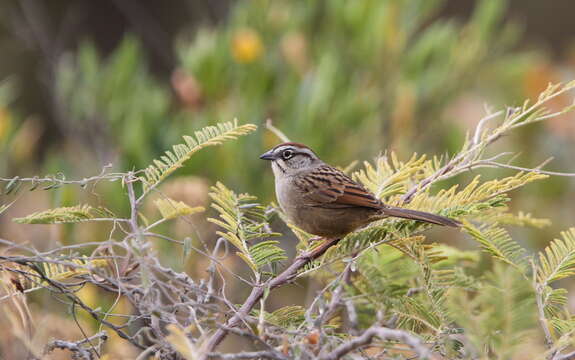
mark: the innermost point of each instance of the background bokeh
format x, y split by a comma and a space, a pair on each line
88, 83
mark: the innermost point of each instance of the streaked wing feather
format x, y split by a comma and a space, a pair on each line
328, 187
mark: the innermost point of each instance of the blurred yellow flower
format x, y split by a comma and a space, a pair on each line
246, 46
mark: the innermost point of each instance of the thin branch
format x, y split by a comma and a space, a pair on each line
568, 356
541, 308
62, 180
76, 347
76, 300
506, 166
277, 132
250, 355
471, 152
129, 181
336, 298
257, 292
382, 333
481, 125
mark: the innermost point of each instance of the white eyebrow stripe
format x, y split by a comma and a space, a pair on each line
299, 150
285, 147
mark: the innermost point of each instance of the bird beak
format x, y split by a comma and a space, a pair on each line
268, 156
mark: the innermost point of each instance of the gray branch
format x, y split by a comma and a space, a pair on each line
76, 347
382, 333
275, 355
257, 292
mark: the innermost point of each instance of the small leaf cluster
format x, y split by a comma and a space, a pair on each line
244, 222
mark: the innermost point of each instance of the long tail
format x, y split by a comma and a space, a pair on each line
420, 216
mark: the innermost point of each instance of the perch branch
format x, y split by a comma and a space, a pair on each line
257, 292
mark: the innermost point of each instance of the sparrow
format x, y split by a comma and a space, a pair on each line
324, 201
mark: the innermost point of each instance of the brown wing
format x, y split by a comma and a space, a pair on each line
328, 187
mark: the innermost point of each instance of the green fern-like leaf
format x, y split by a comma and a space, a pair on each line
171, 209
244, 221
385, 275
415, 315
499, 319
60, 215
364, 237
285, 317
453, 256
557, 261
432, 280
180, 153
554, 301
497, 242
475, 198
564, 327
519, 219
266, 252
426, 307
389, 175
52, 270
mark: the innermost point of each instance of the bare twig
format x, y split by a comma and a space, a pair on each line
61, 180
336, 298
277, 132
383, 333
285, 277
275, 355
76, 347
568, 356
537, 170
471, 153
540, 308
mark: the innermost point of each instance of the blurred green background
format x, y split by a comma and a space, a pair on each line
86, 83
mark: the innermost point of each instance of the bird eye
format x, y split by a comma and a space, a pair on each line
287, 154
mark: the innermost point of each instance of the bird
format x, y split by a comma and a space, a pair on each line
324, 201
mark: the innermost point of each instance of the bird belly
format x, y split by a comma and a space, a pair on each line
329, 223
320, 221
